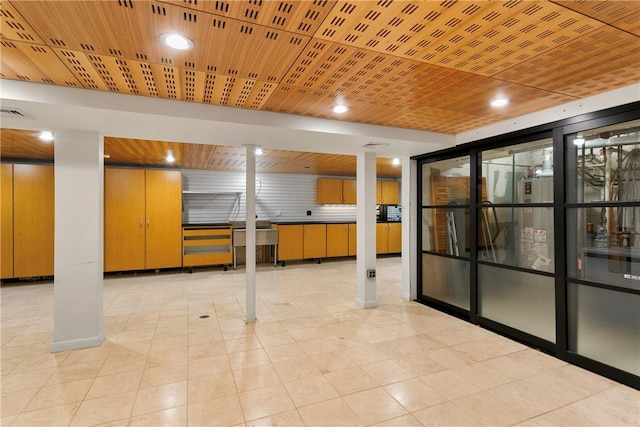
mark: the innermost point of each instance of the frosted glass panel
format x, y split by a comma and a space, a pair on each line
604, 325
446, 279
517, 299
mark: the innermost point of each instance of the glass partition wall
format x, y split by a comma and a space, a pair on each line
516, 286
603, 244
537, 236
446, 243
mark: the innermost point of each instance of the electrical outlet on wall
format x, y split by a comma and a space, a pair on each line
308, 213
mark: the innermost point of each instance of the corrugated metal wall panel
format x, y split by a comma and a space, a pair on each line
280, 197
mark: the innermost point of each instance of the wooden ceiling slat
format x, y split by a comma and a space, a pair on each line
34, 63
15, 27
25, 145
622, 14
302, 17
583, 78
390, 59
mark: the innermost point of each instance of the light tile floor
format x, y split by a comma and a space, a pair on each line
313, 358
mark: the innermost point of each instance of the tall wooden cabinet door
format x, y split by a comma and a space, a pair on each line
349, 196
328, 191
315, 241
6, 220
289, 242
394, 240
124, 219
33, 220
353, 239
163, 219
337, 240
382, 234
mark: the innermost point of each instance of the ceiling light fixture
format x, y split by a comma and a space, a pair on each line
46, 135
176, 41
499, 102
170, 158
340, 109
259, 151
578, 141
395, 161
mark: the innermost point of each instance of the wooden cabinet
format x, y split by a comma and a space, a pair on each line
33, 220
290, 242
6, 220
387, 192
341, 240
143, 219
302, 241
337, 240
349, 195
206, 245
388, 237
335, 191
353, 241
124, 219
314, 241
394, 237
164, 219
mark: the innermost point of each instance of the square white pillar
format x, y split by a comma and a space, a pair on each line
366, 296
78, 265
410, 226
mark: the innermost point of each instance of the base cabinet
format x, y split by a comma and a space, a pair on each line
290, 242
206, 245
302, 241
143, 219
388, 238
337, 240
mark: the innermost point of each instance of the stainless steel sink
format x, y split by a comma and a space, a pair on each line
264, 237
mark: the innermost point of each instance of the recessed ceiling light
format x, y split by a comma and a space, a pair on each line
170, 158
579, 140
499, 102
259, 151
46, 135
176, 41
395, 162
339, 109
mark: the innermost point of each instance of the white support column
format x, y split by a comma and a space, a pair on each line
410, 226
78, 265
366, 230
251, 233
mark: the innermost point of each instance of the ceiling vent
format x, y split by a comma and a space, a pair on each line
14, 113
375, 145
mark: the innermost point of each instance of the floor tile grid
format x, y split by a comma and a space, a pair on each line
382, 317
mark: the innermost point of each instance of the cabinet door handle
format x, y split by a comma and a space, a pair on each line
140, 223
148, 223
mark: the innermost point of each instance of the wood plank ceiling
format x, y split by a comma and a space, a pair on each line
19, 145
425, 65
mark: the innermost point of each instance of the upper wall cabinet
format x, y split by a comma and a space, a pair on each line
335, 191
388, 193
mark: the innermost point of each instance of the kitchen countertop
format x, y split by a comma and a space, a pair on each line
227, 224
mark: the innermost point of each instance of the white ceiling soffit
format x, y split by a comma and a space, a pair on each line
130, 116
